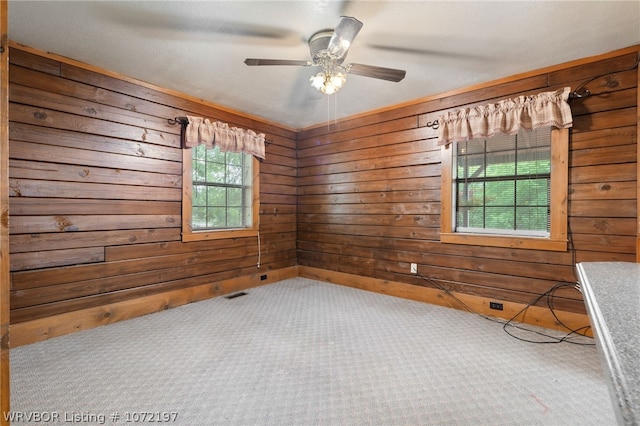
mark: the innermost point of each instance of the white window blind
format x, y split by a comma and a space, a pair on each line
502, 184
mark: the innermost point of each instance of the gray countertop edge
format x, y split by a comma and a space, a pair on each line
618, 389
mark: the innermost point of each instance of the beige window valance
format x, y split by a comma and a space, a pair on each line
201, 131
508, 116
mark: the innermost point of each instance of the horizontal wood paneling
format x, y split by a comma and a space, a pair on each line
69, 139
86, 157
62, 240
96, 191
369, 190
23, 205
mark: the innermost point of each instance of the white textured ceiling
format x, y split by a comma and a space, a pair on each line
198, 47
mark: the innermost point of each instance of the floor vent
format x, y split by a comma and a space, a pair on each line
233, 296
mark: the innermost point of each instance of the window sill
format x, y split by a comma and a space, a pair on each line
218, 235
531, 243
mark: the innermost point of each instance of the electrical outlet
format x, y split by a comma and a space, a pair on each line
495, 305
414, 268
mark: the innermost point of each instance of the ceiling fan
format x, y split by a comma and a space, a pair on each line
328, 50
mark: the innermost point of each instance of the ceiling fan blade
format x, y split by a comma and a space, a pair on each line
343, 36
426, 51
389, 74
175, 18
256, 62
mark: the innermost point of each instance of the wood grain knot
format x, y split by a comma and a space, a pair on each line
64, 224
4, 341
16, 189
4, 218
601, 225
611, 82
39, 115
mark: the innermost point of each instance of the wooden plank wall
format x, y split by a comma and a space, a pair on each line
95, 192
369, 190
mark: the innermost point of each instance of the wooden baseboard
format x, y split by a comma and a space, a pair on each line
34, 331
533, 315
58, 325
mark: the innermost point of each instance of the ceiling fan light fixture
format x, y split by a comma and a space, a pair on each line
328, 82
317, 80
338, 79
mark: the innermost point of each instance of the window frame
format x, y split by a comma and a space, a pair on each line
188, 234
557, 239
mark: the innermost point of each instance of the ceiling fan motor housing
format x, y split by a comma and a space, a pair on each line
318, 44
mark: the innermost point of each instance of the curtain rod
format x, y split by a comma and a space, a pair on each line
183, 121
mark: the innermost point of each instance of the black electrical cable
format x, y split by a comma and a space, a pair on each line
576, 93
509, 323
552, 339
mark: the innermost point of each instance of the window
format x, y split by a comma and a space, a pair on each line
507, 191
220, 194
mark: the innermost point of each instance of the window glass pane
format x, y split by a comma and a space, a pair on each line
501, 178
539, 137
234, 197
532, 218
533, 192
234, 158
198, 172
500, 218
475, 146
471, 166
471, 217
234, 217
500, 143
216, 196
199, 152
234, 175
216, 217
199, 195
534, 167
471, 194
214, 155
462, 167
500, 164
215, 172
221, 190
500, 193
199, 217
